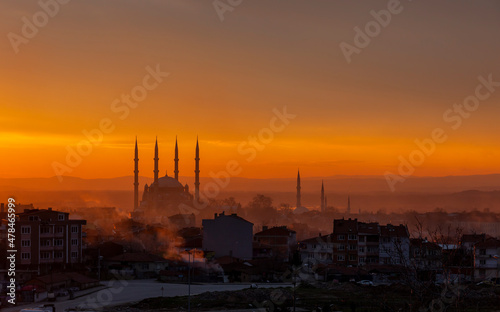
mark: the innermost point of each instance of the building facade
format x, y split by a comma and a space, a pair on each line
345, 242
48, 240
228, 235
487, 259
368, 245
394, 247
317, 250
282, 240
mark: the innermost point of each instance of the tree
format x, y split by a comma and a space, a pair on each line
285, 209
260, 208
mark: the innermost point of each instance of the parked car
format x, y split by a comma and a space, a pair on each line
62, 293
486, 283
43, 308
365, 283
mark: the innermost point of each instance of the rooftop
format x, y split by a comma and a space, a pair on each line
137, 257
276, 231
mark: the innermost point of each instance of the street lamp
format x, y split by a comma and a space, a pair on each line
498, 265
99, 258
189, 279
294, 272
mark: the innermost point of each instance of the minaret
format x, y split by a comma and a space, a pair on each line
322, 197
197, 173
156, 162
299, 204
348, 205
176, 160
136, 177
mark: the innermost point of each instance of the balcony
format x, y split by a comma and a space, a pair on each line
46, 260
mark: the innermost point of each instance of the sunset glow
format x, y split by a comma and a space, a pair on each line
225, 79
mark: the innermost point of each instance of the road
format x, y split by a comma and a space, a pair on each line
122, 291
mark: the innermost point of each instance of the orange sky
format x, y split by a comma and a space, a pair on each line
227, 77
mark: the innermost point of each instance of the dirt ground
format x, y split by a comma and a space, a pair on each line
331, 297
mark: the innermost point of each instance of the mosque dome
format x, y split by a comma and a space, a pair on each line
169, 182
300, 210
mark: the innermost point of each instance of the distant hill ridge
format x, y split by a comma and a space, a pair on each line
349, 184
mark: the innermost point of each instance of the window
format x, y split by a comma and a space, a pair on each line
74, 254
25, 255
45, 255
26, 243
74, 229
341, 247
352, 247
60, 217
58, 255
482, 252
59, 229
352, 237
58, 242
45, 230
361, 259
361, 249
341, 237
340, 258
26, 230
74, 242
45, 243
362, 238
482, 262
352, 257
33, 218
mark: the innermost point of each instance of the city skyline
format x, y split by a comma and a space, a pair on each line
246, 155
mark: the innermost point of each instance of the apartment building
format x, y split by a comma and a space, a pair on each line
47, 240
282, 241
487, 259
345, 242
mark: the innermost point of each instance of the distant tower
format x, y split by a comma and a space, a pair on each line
348, 205
299, 204
176, 160
156, 162
197, 173
136, 177
322, 197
